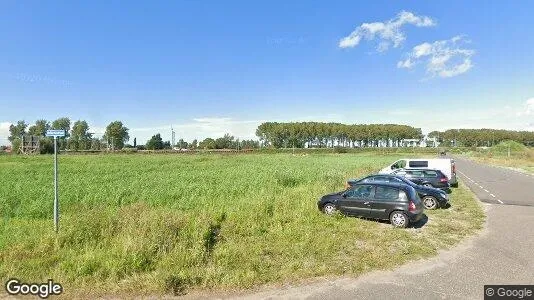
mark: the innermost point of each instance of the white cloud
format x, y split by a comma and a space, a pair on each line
528, 108
388, 32
443, 58
4, 133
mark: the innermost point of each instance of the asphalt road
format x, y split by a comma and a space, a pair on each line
501, 254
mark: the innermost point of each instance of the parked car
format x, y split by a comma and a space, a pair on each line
432, 198
446, 165
425, 177
395, 202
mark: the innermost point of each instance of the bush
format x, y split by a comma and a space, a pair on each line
339, 149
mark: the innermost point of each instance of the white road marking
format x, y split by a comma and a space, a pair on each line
500, 201
492, 195
485, 190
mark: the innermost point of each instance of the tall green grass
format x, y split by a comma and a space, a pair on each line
169, 223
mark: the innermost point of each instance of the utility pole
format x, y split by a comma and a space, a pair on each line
173, 137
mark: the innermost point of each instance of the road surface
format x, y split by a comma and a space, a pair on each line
501, 254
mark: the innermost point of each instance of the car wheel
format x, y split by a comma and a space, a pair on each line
399, 219
329, 209
430, 202
428, 184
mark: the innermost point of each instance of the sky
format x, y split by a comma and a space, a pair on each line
210, 67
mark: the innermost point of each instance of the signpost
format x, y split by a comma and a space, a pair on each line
56, 133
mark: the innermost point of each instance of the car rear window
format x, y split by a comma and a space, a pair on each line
386, 192
418, 164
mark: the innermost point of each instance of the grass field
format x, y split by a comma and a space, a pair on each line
158, 224
506, 154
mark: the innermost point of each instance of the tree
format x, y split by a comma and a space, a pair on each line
16, 131
207, 143
80, 138
62, 123
182, 144
116, 135
155, 143
40, 128
193, 144
225, 142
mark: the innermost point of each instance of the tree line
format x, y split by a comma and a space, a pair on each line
270, 134
321, 135
225, 142
78, 138
481, 137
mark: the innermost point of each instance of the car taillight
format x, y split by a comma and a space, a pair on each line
411, 206
443, 180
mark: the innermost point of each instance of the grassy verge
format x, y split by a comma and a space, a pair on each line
157, 224
506, 154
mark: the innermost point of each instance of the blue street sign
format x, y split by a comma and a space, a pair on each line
55, 132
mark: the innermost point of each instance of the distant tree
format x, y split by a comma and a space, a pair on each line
193, 144
97, 144
207, 143
182, 144
46, 145
16, 131
80, 138
225, 142
40, 128
116, 134
155, 143
167, 145
62, 123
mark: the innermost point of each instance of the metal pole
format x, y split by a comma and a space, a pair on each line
56, 201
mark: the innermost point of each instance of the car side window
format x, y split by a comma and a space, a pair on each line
386, 193
431, 174
400, 173
415, 173
361, 191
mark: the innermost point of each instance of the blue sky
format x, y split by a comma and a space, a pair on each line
209, 67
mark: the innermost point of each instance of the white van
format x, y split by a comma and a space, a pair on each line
445, 165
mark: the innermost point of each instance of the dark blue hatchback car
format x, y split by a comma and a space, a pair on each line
398, 203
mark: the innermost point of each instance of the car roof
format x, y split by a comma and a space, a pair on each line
420, 169
390, 184
375, 175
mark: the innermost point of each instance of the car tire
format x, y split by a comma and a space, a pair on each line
430, 202
428, 184
399, 219
329, 209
